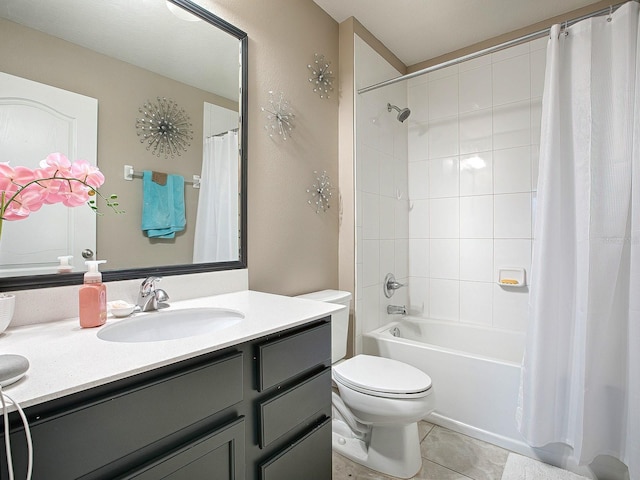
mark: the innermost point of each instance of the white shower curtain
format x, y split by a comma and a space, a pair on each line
216, 232
581, 370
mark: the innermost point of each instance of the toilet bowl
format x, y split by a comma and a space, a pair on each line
377, 405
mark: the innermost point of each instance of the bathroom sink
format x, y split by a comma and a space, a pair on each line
170, 325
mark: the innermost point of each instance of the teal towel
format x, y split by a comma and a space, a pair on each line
163, 211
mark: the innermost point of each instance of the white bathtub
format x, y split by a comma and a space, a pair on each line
475, 373
476, 376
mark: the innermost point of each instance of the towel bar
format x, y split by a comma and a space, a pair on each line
130, 173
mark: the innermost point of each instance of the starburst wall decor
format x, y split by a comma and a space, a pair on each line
164, 127
280, 118
321, 76
320, 192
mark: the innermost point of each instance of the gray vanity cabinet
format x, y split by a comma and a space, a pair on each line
257, 411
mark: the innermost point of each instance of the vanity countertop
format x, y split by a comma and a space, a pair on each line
66, 359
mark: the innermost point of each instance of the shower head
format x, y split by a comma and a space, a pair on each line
403, 114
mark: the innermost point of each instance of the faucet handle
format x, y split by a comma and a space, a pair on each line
149, 285
390, 285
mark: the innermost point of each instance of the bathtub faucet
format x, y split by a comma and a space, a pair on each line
396, 309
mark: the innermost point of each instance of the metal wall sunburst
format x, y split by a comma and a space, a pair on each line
320, 192
164, 127
321, 76
280, 118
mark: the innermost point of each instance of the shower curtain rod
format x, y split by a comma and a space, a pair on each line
486, 51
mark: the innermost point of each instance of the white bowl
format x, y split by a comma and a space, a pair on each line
7, 306
120, 309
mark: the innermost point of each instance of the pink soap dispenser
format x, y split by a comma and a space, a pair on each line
93, 297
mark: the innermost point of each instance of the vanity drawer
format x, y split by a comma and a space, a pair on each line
288, 356
135, 419
217, 455
309, 458
293, 407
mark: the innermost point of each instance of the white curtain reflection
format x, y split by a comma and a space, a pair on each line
216, 232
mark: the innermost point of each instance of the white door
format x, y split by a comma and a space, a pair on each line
36, 120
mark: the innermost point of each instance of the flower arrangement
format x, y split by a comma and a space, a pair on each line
24, 190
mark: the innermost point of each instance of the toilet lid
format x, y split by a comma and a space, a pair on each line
382, 376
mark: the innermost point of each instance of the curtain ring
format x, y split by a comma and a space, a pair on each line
609, 18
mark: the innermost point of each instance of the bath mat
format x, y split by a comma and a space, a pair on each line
519, 467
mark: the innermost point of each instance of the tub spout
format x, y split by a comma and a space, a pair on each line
396, 310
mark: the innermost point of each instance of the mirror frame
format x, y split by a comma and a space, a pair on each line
58, 280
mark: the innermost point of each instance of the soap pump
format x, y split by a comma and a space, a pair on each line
93, 297
64, 266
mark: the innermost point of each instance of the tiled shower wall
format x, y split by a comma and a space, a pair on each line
382, 207
473, 145
448, 197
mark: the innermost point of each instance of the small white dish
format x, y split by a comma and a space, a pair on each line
119, 308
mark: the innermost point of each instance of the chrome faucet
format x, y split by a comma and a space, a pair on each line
150, 297
396, 310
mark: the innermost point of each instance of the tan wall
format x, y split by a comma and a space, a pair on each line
291, 248
120, 89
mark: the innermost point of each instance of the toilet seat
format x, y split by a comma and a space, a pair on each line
382, 377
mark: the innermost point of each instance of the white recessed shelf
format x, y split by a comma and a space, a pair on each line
511, 277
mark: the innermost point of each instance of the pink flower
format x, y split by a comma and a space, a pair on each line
58, 180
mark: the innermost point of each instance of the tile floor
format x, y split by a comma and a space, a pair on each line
446, 455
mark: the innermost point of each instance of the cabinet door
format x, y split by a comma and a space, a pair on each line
309, 458
216, 456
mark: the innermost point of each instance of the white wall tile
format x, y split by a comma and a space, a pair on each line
370, 308
444, 258
419, 180
476, 260
476, 174
444, 299
443, 98
540, 43
515, 51
476, 216
512, 125
474, 63
475, 89
535, 163
402, 217
512, 253
510, 307
442, 73
401, 268
418, 290
419, 219
443, 137
538, 64
476, 303
369, 171
387, 175
418, 101
370, 216
443, 177
387, 259
444, 217
512, 170
512, 215
536, 120
419, 255
387, 218
370, 262
476, 131
511, 80
418, 141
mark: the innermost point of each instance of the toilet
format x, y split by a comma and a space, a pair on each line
377, 402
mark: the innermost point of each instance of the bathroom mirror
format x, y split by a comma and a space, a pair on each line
124, 55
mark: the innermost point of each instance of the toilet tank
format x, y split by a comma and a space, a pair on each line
339, 320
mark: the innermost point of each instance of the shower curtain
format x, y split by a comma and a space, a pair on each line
216, 232
581, 371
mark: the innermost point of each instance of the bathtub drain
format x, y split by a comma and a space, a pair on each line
395, 331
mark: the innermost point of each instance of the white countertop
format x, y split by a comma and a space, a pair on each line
66, 359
